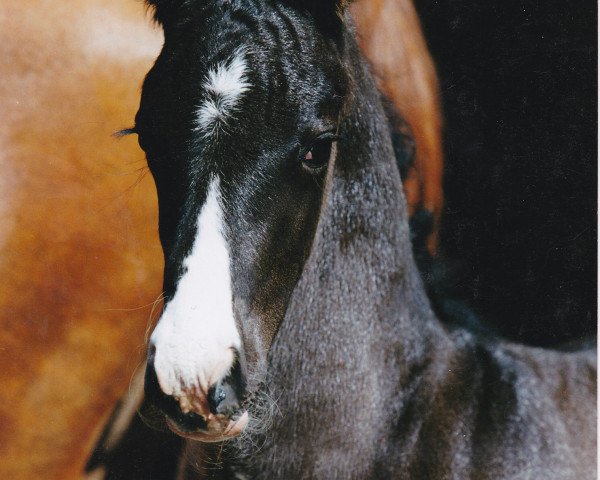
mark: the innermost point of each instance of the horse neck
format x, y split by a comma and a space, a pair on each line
358, 324
361, 277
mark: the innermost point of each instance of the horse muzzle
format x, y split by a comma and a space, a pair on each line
208, 415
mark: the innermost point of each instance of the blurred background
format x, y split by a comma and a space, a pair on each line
80, 264
514, 214
519, 89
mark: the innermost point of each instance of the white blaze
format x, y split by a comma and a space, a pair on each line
224, 86
196, 334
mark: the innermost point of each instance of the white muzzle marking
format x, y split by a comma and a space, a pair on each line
196, 335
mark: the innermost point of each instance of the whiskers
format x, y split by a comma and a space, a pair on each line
149, 415
154, 315
262, 408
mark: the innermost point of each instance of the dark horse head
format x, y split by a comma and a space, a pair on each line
241, 118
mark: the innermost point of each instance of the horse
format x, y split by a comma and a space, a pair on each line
77, 215
296, 339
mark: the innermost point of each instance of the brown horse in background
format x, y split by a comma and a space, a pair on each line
390, 36
79, 253
80, 259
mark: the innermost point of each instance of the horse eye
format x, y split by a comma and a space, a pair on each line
317, 157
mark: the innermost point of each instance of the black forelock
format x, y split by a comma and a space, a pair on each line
326, 13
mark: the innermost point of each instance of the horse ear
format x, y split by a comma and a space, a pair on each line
327, 13
331, 5
321, 7
164, 9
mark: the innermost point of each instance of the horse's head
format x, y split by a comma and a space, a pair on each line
239, 120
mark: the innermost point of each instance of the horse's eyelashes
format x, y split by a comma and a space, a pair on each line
124, 132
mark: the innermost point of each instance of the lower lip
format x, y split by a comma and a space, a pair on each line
232, 430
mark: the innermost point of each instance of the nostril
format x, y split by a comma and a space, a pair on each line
225, 396
222, 399
216, 395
